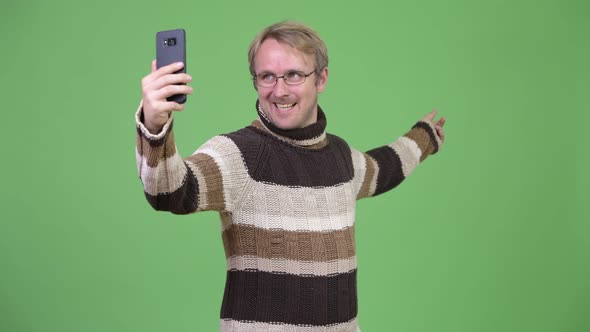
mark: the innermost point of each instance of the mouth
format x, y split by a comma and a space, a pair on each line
284, 107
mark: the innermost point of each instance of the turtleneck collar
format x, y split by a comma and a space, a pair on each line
313, 135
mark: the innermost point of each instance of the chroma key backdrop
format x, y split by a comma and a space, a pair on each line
492, 234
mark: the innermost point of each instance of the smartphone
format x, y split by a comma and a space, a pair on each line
170, 48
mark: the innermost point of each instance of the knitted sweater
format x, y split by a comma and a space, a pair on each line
287, 204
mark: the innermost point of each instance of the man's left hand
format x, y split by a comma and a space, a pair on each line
438, 125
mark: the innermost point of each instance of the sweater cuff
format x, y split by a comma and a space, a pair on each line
145, 132
429, 128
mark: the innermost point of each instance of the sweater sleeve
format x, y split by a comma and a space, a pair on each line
211, 179
382, 169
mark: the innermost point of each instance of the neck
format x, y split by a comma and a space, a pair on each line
310, 135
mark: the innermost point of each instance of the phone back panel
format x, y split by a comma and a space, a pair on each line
170, 48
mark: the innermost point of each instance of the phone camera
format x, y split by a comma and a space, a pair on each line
170, 42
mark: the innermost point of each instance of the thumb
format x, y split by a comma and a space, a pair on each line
154, 67
430, 116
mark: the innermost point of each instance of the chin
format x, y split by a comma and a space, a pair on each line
292, 119
285, 125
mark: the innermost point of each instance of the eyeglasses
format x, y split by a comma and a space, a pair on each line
269, 80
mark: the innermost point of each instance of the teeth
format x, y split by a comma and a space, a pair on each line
285, 106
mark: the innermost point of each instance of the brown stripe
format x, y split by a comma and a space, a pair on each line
241, 240
258, 125
225, 220
213, 181
421, 137
154, 153
369, 174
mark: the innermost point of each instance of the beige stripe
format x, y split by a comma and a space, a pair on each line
230, 325
314, 143
360, 168
234, 175
295, 267
282, 244
138, 161
215, 179
272, 206
202, 183
210, 181
409, 154
167, 177
145, 131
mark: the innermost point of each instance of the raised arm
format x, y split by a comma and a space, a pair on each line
382, 169
208, 180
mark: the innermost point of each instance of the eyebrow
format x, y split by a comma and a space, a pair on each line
288, 71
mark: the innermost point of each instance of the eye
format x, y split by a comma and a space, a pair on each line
267, 77
294, 76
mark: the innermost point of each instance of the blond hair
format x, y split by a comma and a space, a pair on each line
295, 34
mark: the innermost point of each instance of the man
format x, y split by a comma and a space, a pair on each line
285, 189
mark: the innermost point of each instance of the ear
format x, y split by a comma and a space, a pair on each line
322, 79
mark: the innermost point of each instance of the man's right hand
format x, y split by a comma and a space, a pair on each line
156, 87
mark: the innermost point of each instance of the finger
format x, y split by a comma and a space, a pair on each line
157, 73
168, 106
441, 122
430, 116
168, 69
158, 98
171, 79
171, 90
174, 106
441, 133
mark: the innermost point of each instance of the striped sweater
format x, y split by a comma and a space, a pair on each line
287, 204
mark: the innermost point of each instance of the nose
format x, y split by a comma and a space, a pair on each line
281, 88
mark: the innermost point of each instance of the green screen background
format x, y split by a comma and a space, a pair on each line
492, 234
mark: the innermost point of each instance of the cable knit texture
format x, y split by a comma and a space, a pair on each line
287, 204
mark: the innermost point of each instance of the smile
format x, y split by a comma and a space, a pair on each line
285, 107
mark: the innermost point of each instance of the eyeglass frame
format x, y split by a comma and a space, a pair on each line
305, 76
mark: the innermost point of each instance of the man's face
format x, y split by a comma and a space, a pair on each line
288, 106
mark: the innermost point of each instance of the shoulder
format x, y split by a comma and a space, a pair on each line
239, 138
244, 136
238, 150
246, 140
230, 144
337, 142
341, 148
